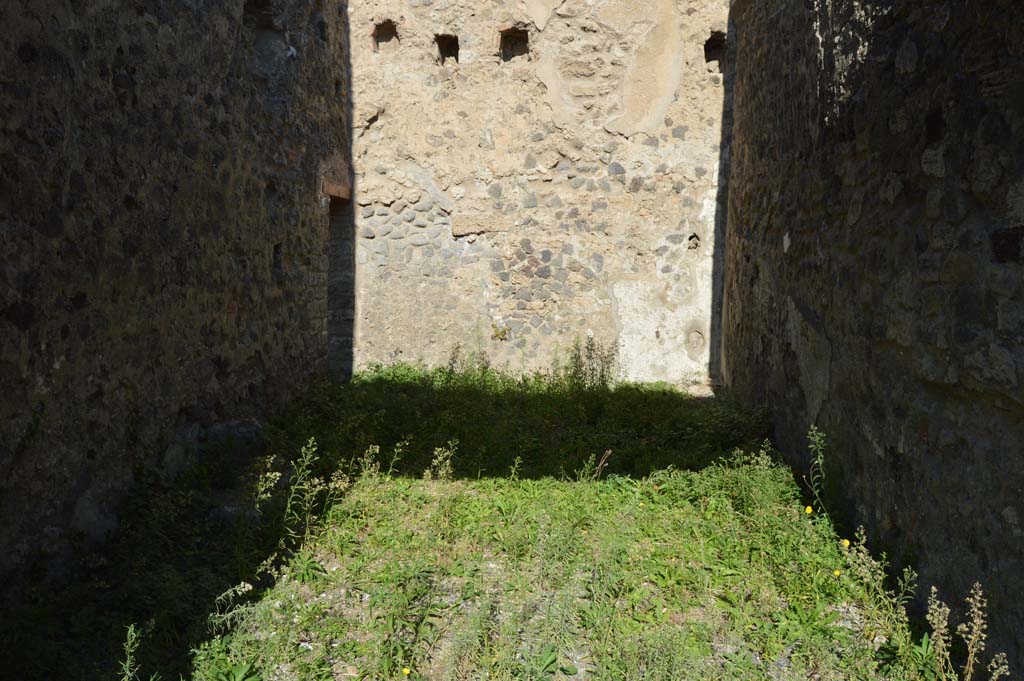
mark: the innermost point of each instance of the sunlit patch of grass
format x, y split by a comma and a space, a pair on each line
716, 573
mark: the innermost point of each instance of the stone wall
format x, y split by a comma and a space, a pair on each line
875, 269
163, 232
178, 247
516, 196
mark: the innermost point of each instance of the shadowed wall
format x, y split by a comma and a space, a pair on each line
164, 171
875, 271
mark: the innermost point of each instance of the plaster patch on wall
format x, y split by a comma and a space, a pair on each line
653, 74
557, 97
655, 337
708, 212
540, 11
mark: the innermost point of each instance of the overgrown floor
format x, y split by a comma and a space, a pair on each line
719, 573
464, 523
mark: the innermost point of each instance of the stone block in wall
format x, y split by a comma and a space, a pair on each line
466, 224
336, 178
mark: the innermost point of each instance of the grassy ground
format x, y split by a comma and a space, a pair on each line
682, 575
466, 523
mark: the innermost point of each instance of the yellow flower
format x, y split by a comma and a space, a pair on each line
808, 510
846, 543
837, 572
406, 671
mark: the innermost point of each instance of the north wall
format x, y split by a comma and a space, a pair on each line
875, 271
515, 200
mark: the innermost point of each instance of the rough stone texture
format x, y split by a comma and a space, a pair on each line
178, 251
515, 206
875, 277
163, 234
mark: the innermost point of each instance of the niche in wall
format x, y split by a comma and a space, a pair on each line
447, 48
258, 14
385, 35
515, 43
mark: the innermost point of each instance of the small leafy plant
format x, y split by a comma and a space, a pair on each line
129, 666
241, 671
304, 568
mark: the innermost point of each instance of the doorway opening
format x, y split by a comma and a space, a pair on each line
341, 290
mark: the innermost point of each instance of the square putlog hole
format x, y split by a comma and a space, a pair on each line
385, 34
515, 43
714, 51
1008, 245
447, 48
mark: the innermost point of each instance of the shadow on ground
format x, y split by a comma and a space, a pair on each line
185, 542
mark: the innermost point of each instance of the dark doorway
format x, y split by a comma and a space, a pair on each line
341, 290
